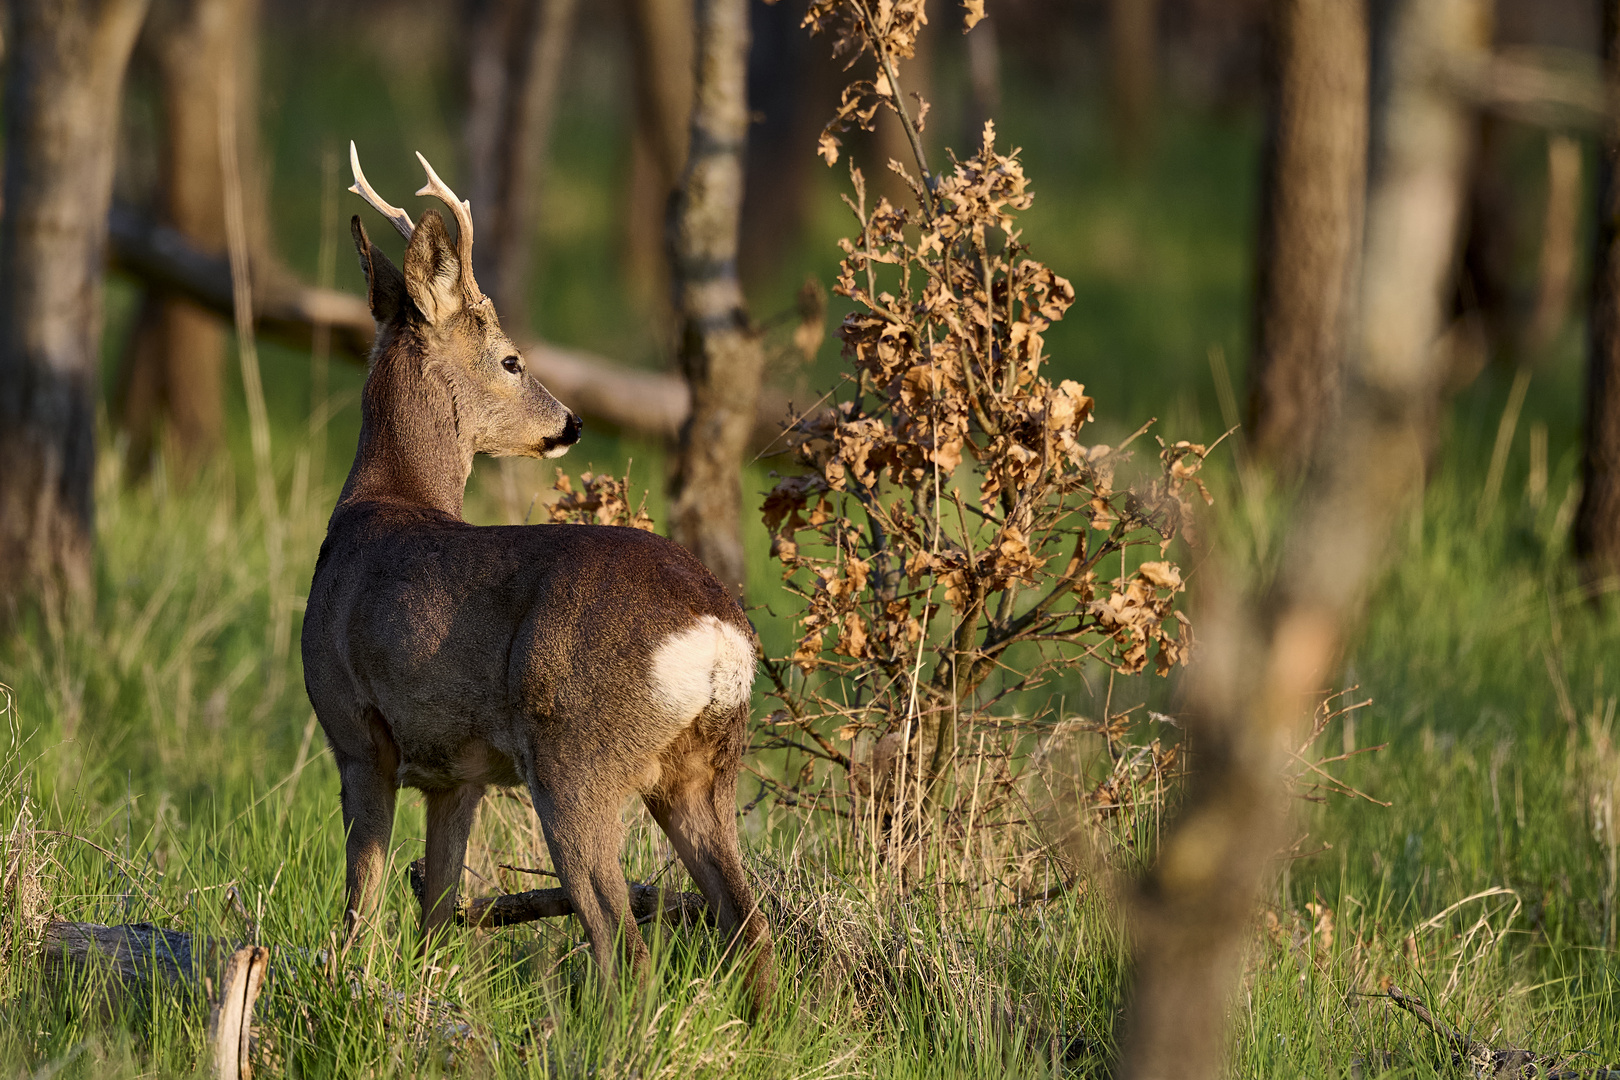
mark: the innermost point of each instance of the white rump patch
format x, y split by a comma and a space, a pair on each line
709, 663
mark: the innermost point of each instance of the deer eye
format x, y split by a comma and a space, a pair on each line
513, 364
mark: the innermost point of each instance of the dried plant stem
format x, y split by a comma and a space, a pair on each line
897, 102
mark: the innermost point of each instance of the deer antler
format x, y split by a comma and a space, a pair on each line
401, 220
464, 226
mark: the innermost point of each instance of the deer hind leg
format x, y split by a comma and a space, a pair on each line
584, 836
696, 806
450, 815
368, 823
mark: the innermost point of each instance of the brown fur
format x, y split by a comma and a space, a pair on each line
447, 657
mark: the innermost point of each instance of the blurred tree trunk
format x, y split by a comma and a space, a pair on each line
1133, 32
1560, 241
515, 65
1314, 183
1265, 655
172, 378
63, 86
789, 91
1597, 522
661, 48
1486, 318
984, 80
720, 351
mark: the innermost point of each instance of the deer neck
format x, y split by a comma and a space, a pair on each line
412, 450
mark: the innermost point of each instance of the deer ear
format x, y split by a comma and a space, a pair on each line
432, 270
385, 285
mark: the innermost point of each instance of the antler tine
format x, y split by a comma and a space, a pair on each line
401, 220
464, 226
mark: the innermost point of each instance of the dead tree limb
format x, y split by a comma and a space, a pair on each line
647, 904
1267, 648
644, 403
720, 351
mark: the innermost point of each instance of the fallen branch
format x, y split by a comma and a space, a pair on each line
647, 903
1508, 1063
645, 403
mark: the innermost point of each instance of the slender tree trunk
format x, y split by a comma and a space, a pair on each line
1266, 654
1314, 184
789, 94
1484, 301
173, 375
984, 80
1133, 53
66, 61
720, 352
1560, 242
661, 39
515, 76
1597, 523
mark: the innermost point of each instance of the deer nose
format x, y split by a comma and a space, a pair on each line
571, 430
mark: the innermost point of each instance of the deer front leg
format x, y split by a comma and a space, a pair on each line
368, 823
450, 816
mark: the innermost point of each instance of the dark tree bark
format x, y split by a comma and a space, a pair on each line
515, 64
1266, 654
173, 374
790, 91
1597, 522
661, 49
720, 351
66, 62
1313, 182
1133, 53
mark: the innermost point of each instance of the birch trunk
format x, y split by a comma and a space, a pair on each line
720, 353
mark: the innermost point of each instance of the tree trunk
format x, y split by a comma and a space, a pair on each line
173, 374
515, 67
1597, 523
790, 91
720, 352
1314, 182
1265, 655
66, 70
1133, 32
661, 39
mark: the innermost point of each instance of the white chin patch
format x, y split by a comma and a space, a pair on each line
710, 663
556, 451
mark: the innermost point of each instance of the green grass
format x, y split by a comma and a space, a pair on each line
156, 740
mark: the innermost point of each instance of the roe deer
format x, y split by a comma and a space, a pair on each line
589, 663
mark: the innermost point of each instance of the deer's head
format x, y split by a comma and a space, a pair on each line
435, 311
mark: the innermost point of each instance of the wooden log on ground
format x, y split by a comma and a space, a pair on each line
646, 403
133, 952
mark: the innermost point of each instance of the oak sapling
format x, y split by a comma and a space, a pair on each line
953, 533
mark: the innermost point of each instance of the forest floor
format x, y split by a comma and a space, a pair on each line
164, 765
